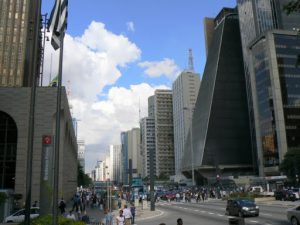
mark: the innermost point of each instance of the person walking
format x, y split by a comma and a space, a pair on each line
62, 206
108, 217
132, 210
179, 221
127, 215
120, 218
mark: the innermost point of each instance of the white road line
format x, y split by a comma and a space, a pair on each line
220, 215
196, 210
185, 208
203, 211
265, 214
253, 221
211, 213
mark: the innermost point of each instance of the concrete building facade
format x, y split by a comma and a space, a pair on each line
14, 110
185, 91
19, 40
115, 157
147, 127
81, 153
164, 132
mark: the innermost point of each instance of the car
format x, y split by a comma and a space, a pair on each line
241, 207
19, 216
285, 195
296, 191
293, 215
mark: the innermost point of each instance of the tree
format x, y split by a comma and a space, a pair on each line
82, 179
291, 164
292, 7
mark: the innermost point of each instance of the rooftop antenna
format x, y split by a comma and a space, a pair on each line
191, 60
139, 109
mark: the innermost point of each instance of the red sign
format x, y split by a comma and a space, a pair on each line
47, 140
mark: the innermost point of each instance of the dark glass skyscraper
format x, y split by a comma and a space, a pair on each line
221, 138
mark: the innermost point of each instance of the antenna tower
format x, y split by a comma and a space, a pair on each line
191, 60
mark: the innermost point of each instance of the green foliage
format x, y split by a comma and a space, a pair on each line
291, 163
47, 220
3, 197
292, 7
83, 179
244, 195
163, 176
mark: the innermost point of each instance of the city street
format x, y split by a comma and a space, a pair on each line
213, 212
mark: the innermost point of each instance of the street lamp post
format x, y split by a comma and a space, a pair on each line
191, 140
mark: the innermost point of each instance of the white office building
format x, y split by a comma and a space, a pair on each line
185, 92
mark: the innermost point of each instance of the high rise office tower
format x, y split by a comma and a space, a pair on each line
271, 77
220, 143
147, 144
131, 154
115, 157
164, 134
19, 42
185, 91
81, 153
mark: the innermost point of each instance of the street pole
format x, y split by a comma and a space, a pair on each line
152, 199
30, 69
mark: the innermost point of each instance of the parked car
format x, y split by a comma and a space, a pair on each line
296, 191
241, 208
19, 216
285, 195
293, 215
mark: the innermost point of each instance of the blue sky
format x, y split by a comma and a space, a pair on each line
143, 32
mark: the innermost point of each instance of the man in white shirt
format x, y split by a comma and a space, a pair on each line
127, 215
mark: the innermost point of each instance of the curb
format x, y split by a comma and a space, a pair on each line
151, 217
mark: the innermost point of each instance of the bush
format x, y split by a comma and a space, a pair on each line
245, 195
47, 220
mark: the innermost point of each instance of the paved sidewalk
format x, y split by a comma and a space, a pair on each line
142, 213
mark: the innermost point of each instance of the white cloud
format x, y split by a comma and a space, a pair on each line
92, 62
166, 67
130, 26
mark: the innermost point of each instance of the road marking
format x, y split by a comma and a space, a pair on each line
253, 221
220, 215
211, 213
265, 214
185, 208
151, 217
196, 210
203, 211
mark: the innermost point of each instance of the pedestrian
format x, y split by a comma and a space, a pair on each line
119, 202
35, 204
120, 218
71, 215
62, 206
85, 218
127, 215
108, 218
132, 210
179, 221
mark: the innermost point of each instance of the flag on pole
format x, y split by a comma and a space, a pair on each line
58, 21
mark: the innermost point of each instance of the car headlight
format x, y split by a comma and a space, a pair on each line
257, 207
245, 208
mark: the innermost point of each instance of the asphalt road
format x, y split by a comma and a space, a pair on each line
213, 213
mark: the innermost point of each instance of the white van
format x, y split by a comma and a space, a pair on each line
257, 189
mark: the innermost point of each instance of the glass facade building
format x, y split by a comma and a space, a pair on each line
221, 133
277, 80
258, 20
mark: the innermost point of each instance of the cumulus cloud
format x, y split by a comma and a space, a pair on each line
130, 26
92, 62
166, 67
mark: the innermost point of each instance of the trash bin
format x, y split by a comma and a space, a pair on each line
236, 221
